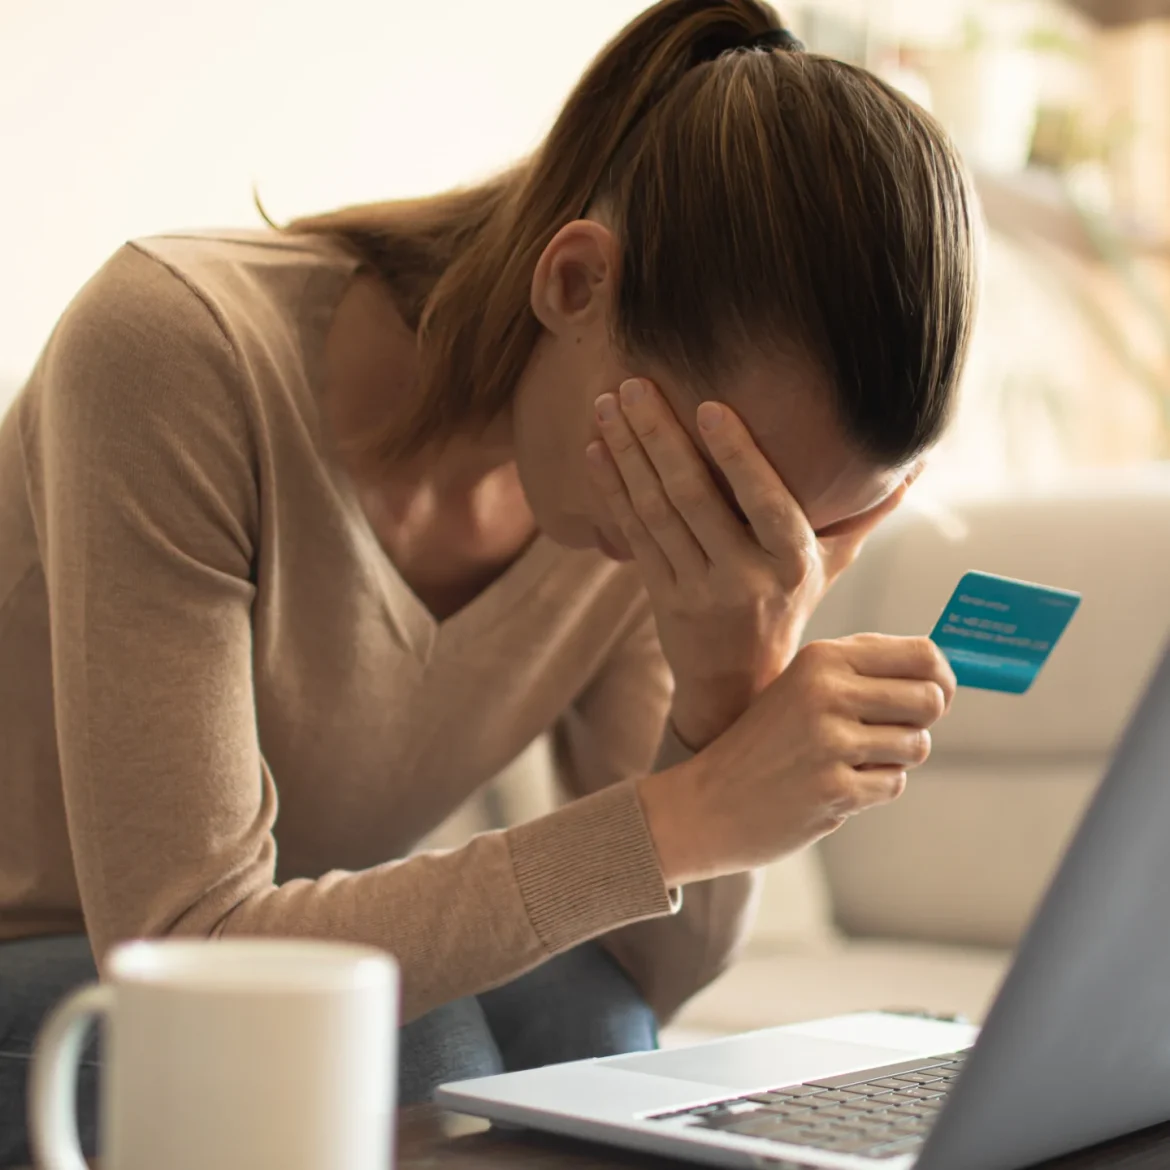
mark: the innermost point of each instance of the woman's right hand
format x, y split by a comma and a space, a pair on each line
835, 734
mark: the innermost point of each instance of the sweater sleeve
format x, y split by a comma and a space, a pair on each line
618, 729
149, 526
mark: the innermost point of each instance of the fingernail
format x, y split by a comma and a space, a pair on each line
607, 408
710, 415
631, 392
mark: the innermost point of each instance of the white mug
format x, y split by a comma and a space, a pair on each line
243, 1054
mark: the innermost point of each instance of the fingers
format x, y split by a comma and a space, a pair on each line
862, 787
913, 702
684, 476
652, 562
889, 747
646, 495
874, 786
887, 657
772, 511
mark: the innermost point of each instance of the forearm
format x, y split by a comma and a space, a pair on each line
701, 712
671, 959
706, 704
703, 709
458, 922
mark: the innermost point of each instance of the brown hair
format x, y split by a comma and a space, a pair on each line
761, 197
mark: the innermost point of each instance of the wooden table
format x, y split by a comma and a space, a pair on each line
430, 1139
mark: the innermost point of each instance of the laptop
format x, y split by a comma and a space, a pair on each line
1075, 1049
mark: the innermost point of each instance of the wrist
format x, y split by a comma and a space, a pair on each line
704, 708
670, 803
700, 714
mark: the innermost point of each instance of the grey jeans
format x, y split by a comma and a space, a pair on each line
578, 1005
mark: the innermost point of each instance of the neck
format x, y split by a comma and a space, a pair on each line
371, 375
459, 466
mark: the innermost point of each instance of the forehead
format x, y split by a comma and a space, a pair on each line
787, 406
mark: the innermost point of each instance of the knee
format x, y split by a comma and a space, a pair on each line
450, 1043
577, 1006
608, 1004
35, 975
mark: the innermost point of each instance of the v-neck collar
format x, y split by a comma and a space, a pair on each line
417, 629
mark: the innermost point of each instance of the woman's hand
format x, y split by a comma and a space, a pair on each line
835, 734
731, 600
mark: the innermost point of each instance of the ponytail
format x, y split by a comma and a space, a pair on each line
760, 198
461, 264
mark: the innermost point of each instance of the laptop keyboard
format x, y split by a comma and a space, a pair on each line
876, 1112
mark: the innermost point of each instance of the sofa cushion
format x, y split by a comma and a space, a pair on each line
785, 987
965, 854
795, 907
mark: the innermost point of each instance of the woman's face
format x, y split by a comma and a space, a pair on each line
784, 406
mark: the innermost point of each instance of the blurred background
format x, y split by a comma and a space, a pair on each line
127, 117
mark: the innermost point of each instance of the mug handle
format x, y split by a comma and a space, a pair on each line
52, 1103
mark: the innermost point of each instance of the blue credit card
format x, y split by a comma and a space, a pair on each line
997, 633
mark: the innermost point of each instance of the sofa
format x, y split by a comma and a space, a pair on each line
918, 905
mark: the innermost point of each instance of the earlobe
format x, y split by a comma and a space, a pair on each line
574, 278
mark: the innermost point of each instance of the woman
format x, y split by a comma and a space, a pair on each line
304, 535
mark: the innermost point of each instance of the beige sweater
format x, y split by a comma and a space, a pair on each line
222, 712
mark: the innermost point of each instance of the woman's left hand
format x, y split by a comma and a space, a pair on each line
730, 600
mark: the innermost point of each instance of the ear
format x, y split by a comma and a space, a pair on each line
575, 279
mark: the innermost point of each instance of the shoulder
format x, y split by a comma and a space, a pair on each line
217, 297
138, 391
133, 328
134, 419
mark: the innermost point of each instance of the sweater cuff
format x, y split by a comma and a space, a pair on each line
588, 868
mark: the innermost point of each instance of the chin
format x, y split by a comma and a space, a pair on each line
569, 531
578, 532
